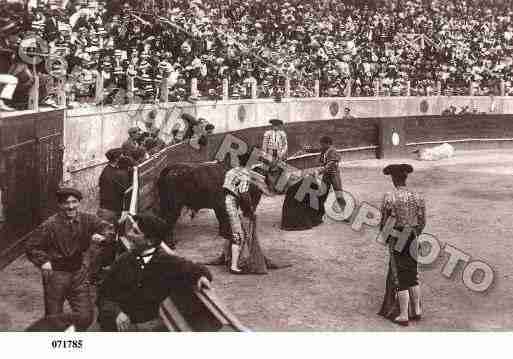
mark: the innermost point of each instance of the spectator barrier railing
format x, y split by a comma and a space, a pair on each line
250, 89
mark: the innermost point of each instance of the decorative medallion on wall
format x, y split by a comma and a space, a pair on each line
334, 108
424, 106
241, 113
395, 138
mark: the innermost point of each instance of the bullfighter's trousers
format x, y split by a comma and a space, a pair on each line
232, 207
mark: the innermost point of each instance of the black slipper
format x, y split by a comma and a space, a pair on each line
403, 323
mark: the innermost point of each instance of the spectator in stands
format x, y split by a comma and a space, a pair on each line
142, 278
58, 248
275, 141
453, 43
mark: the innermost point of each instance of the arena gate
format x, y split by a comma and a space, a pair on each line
31, 154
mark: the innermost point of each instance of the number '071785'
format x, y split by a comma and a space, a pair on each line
67, 344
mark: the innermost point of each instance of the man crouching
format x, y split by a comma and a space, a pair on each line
142, 278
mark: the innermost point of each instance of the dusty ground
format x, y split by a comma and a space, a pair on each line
337, 278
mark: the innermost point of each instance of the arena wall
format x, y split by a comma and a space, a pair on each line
89, 132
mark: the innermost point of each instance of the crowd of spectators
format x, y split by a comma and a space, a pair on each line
418, 47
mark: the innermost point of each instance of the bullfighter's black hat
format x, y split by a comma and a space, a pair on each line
276, 122
394, 170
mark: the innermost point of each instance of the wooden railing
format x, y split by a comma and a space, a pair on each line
378, 90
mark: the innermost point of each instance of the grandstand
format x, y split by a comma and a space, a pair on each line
177, 50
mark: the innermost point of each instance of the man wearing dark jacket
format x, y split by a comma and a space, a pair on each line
58, 248
113, 183
142, 278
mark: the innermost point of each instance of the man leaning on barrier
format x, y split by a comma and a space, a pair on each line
142, 278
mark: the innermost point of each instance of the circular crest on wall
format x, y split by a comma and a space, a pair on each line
424, 106
241, 113
334, 108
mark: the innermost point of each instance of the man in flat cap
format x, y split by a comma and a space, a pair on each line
143, 277
406, 209
113, 183
131, 146
59, 248
275, 141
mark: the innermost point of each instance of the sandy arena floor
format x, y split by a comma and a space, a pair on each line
338, 275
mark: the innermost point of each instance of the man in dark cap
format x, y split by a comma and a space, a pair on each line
275, 141
113, 183
143, 277
330, 171
131, 146
406, 211
59, 248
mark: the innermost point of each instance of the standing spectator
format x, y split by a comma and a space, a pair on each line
131, 146
58, 248
275, 141
113, 183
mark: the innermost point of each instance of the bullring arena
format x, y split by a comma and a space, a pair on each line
337, 278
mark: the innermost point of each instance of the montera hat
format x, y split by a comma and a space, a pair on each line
402, 169
276, 122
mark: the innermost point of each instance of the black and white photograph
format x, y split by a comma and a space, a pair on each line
256, 166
